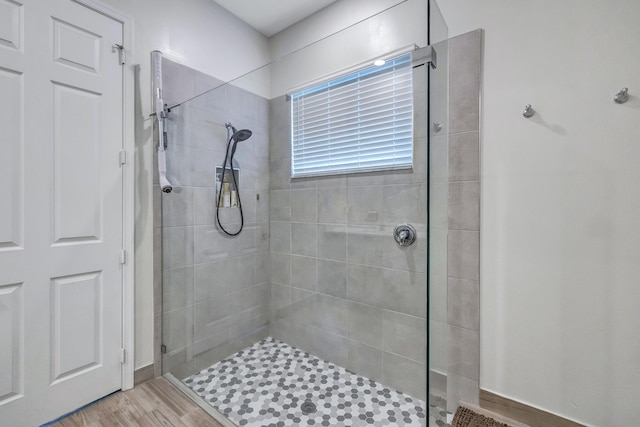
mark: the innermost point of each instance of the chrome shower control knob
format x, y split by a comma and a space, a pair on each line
404, 234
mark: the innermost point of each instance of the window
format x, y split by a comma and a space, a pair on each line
359, 122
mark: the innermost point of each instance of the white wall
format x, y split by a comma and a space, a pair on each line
395, 25
201, 35
560, 268
326, 22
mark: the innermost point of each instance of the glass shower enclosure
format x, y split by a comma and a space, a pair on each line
313, 311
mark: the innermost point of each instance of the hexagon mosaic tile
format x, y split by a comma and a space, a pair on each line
273, 384
437, 413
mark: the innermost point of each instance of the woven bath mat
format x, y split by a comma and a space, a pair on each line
465, 417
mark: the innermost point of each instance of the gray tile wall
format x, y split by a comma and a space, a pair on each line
438, 225
463, 245
214, 296
330, 279
340, 285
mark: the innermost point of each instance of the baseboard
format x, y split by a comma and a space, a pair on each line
143, 374
498, 417
526, 414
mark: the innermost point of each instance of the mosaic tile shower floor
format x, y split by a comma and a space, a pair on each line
437, 413
268, 383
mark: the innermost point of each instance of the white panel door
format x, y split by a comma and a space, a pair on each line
61, 226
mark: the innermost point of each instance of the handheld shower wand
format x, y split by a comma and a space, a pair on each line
161, 115
165, 185
235, 136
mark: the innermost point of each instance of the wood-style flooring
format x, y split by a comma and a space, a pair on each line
529, 415
150, 404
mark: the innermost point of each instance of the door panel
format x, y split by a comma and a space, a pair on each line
77, 197
11, 340
76, 325
10, 24
11, 170
76, 47
61, 231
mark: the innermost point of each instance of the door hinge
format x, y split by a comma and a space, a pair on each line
123, 356
163, 349
123, 157
121, 53
123, 257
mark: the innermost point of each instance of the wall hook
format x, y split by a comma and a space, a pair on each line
528, 111
622, 96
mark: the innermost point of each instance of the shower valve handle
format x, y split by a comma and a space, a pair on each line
404, 234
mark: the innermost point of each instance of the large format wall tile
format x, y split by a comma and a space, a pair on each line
404, 375
178, 209
463, 252
463, 306
464, 156
349, 257
461, 389
303, 272
464, 107
177, 247
280, 237
280, 268
464, 206
365, 360
332, 278
463, 352
465, 58
364, 245
178, 288
303, 238
303, 205
332, 242
215, 286
366, 285
364, 323
404, 335
332, 205
280, 205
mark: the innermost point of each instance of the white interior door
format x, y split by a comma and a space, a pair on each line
61, 219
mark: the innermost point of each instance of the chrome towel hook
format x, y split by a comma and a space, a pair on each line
528, 112
622, 96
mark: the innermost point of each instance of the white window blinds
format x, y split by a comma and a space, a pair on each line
358, 122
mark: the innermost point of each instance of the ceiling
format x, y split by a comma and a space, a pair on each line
272, 16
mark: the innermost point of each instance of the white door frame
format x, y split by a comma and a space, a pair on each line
128, 133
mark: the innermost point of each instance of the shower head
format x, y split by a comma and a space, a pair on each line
238, 135
241, 135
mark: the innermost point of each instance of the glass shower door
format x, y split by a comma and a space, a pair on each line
437, 123
316, 274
